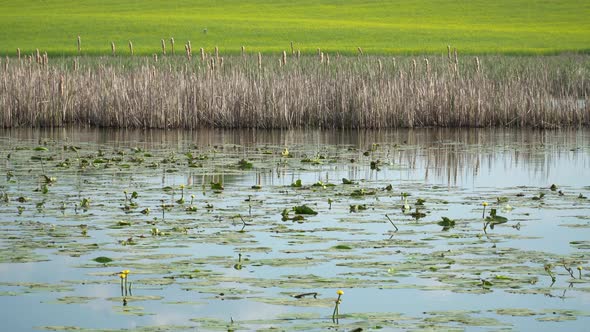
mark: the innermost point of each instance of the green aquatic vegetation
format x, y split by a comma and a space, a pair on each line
217, 186
539, 197
304, 209
494, 219
375, 165
296, 184
358, 207
417, 214
446, 223
347, 181
85, 203
547, 268
243, 164
362, 192
103, 260
181, 199
420, 201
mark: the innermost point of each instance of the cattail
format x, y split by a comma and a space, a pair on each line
292, 49
216, 54
202, 54
360, 50
190, 47
449, 52
187, 48
79, 45
18, 53
155, 57
113, 48
163, 47
321, 57
130, 47
477, 64
284, 58
456, 57
61, 85
259, 61
172, 45
212, 64
380, 65
45, 59
243, 51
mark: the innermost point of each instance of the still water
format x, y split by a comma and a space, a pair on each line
209, 225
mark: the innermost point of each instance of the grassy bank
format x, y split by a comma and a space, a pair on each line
377, 26
292, 92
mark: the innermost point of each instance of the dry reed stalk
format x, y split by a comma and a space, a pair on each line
360, 50
212, 65
380, 65
79, 45
327, 59
477, 65
113, 49
163, 47
190, 48
18, 53
394, 64
130, 48
298, 54
75, 64
202, 50
259, 61
155, 57
172, 45
456, 56
37, 56
243, 51
220, 62
187, 49
45, 59
61, 85
292, 49
427, 64
414, 66
449, 52
319, 52
321, 57
284, 58
216, 53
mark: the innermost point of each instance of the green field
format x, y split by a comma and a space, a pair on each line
378, 26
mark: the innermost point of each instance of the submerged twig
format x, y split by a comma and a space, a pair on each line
396, 229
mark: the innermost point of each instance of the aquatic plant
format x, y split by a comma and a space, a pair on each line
483, 214
337, 306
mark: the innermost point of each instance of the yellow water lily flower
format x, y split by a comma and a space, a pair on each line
340, 292
485, 204
285, 152
122, 275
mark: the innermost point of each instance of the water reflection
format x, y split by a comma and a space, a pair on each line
466, 157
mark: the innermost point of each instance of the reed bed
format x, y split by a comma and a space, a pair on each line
290, 90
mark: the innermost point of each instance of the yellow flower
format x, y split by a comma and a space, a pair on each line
579, 268
122, 275
340, 292
193, 196
285, 152
126, 272
485, 204
182, 186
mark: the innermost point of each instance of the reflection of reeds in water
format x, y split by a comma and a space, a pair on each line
363, 92
442, 155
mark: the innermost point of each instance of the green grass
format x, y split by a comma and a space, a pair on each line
379, 26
